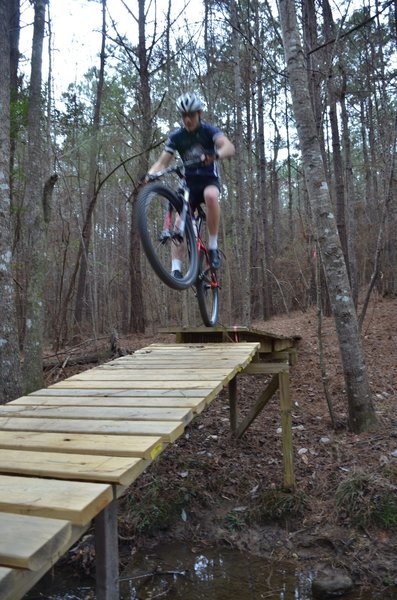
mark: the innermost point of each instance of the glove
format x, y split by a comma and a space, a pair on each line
208, 159
146, 178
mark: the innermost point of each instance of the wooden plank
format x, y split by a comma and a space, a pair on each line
198, 354
140, 385
171, 363
210, 345
15, 583
82, 467
181, 352
116, 413
174, 355
123, 393
146, 364
277, 356
216, 350
280, 345
260, 368
219, 351
169, 431
220, 354
195, 404
29, 542
178, 375
111, 445
75, 501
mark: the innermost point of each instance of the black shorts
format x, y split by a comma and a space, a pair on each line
196, 188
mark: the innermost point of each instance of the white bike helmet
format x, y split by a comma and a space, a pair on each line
189, 102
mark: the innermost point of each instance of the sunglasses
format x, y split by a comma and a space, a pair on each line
189, 114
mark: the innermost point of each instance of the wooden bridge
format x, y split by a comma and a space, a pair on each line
68, 452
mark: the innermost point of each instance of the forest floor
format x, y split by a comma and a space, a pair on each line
209, 489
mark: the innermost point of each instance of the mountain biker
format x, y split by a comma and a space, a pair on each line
207, 143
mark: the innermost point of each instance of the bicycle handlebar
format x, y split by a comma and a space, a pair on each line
175, 169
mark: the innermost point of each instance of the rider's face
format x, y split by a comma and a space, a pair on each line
191, 120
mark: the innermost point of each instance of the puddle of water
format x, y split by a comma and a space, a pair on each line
176, 572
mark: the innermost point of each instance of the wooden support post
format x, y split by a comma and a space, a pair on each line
286, 426
233, 404
293, 357
107, 553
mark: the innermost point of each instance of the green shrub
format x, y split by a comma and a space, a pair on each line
367, 499
386, 512
234, 521
154, 508
277, 505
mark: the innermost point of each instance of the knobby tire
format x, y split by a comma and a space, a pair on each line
151, 207
207, 293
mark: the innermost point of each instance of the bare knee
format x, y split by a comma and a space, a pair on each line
211, 197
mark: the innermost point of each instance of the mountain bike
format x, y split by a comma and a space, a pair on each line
164, 219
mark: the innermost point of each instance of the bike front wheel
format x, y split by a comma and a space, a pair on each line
153, 204
207, 290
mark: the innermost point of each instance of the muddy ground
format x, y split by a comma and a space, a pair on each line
208, 488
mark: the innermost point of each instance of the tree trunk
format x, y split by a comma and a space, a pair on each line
381, 233
10, 373
360, 409
342, 215
35, 230
264, 229
137, 312
350, 193
243, 254
14, 31
310, 42
81, 294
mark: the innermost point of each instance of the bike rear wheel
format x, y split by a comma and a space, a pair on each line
151, 208
207, 289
